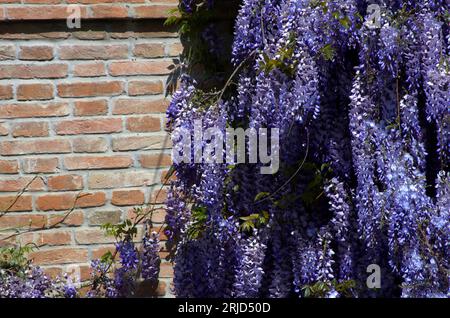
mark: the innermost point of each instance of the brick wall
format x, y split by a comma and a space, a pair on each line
82, 123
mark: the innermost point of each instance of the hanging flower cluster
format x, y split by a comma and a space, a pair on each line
360, 94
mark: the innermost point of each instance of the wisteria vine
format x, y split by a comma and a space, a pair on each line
362, 104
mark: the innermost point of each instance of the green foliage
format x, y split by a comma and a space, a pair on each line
321, 289
328, 52
126, 229
15, 258
314, 189
253, 221
198, 224
283, 60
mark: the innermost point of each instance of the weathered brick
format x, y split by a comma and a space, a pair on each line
59, 256
108, 180
148, 50
143, 124
158, 215
101, 217
27, 71
32, 110
89, 144
94, 126
155, 160
92, 236
128, 106
21, 184
40, 165
91, 107
127, 68
136, 88
22, 147
166, 177
166, 270
36, 53
6, 92
30, 129
15, 203
97, 162
65, 182
7, 52
98, 252
93, 52
23, 220
88, 89
9, 166
129, 143
128, 197
89, 69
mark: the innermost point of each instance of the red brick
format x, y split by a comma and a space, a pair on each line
121, 68
89, 69
32, 110
65, 182
30, 129
90, 35
9, 166
57, 202
34, 91
93, 52
148, 50
136, 88
108, 180
19, 184
22, 147
155, 11
97, 162
60, 256
154, 161
175, 49
158, 215
40, 165
36, 53
98, 252
42, 1
140, 143
7, 52
165, 178
74, 218
53, 238
166, 270
143, 124
94, 126
159, 196
52, 272
88, 200
91, 108
127, 197
6, 92
4, 129
27, 71
44, 13
128, 106
88, 89
17, 221
109, 11
15, 203
89, 144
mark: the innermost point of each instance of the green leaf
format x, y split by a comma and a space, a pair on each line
261, 196
327, 52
